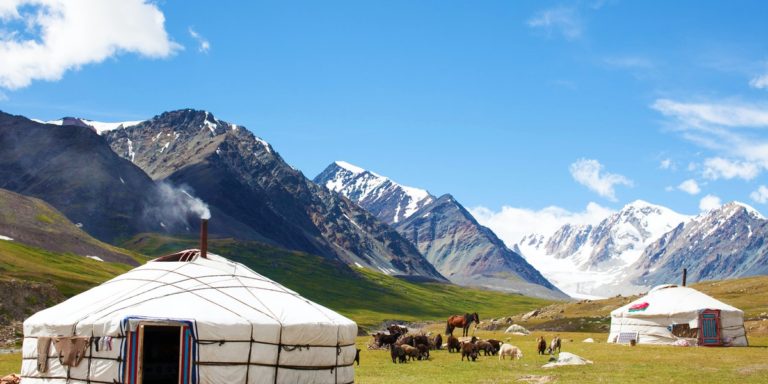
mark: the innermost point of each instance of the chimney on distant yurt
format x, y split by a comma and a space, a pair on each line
204, 238
685, 275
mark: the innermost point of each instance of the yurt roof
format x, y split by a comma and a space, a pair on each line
212, 291
669, 300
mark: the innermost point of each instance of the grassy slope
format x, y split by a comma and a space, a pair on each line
70, 274
365, 296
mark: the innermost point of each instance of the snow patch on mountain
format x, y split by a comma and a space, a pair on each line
595, 260
380, 195
99, 126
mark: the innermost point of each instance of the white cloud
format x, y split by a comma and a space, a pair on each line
719, 168
760, 195
3, 97
759, 82
666, 164
203, 45
511, 223
690, 187
703, 114
709, 202
589, 172
563, 20
64, 35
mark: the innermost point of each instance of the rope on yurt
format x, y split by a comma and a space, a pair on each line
279, 347
90, 353
338, 352
250, 350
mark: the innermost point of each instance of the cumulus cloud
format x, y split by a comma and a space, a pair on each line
719, 168
590, 173
759, 82
203, 45
64, 35
563, 20
511, 223
666, 164
709, 202
690, 187
760, 195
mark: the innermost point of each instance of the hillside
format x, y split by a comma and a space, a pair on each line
73, 169
365, 296
33, 222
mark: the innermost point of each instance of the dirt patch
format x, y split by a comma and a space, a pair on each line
535, 379
752, 369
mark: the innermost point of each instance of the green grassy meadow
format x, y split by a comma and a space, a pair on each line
611, 364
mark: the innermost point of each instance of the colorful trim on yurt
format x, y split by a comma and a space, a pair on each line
188, 352
709, 328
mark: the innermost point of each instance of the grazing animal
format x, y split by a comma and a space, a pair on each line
484, 346
438, 341
496, 345
511, 351
411, 352
423, 351
554, 344
453, 344
420, 339
405, 339
459, 321
394, 328
357, 356
397, 353
541, 345
383, 340
469, 350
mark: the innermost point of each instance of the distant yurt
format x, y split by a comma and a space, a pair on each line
189, 317
675, 315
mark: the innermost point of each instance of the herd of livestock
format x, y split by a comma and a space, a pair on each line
404, 346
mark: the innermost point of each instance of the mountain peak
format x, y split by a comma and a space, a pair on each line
736, 206
349, 167
389, 201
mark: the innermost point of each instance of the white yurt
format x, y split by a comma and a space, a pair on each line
188, 317
671, 314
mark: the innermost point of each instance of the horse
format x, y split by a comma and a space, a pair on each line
463, 322
541, 345
554, 345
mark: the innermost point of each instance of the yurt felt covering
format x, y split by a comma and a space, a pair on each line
670, 313
237, 326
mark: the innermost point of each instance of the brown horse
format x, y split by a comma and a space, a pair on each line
459, 321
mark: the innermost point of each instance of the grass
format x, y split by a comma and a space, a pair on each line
365, 296
612, 364
70, 274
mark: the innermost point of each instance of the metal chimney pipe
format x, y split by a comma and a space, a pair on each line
204, 238
685, 275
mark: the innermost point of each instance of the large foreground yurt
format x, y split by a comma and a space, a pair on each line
188, 318
670, 314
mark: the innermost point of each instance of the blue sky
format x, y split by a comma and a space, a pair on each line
524, 105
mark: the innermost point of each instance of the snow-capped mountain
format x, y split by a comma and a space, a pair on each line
587, 260
389, 201
98, 126
254, 194
726, 242
464, 251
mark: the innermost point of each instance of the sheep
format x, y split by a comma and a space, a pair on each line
438, 341
510, 350
496, 345
554, 344
411, 352
397, 353
485, 346
453, 344
541, 345
469, 350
